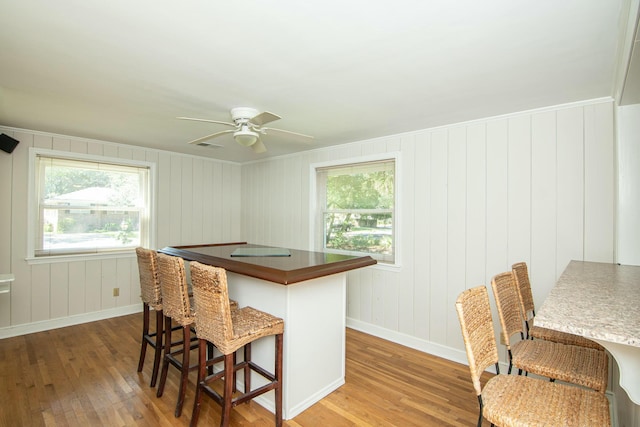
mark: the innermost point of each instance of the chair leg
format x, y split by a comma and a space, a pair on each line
235, 373
278, 375
158, 348
200, 384
227, 397
165, 359
145, 332
247, 368
480, 415
184, 371
210, 355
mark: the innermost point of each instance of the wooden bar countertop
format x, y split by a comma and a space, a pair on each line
285, 270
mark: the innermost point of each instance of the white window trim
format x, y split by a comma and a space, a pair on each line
313, 196
32, 205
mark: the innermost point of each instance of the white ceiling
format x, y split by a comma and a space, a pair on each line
342, 71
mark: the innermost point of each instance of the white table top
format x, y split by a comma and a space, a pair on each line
596, 300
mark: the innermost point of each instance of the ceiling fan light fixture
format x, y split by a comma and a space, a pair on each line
247, 126
245, 136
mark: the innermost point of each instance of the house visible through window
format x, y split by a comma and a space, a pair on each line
89, 206
356, 209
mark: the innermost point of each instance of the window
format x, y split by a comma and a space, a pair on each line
356, 209
88, 205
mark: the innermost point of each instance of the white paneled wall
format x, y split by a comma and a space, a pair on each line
197, 201
474, 198
628, 214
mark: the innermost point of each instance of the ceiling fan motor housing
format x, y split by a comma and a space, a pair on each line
243, 114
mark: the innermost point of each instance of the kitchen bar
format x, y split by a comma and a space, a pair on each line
600, 301
306, 289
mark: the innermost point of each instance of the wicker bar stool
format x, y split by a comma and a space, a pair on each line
587, 367
177, 308
229, 331
151, 299
515, 400
521, 274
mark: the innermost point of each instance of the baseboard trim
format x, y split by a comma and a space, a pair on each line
425, 346
45, 325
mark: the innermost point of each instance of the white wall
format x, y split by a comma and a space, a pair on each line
198, 201
475, 198
628, 178
628, 223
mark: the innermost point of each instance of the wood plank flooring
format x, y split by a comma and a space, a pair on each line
85, 375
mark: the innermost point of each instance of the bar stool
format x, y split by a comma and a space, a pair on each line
521, 275
177, 308
516, 400
229, 331
587, 367
151, 298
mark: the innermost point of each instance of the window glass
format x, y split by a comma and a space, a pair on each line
357, 208
88, 207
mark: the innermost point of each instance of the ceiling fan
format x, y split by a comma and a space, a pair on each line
248, 125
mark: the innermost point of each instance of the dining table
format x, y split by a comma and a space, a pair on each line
600, 301
307, 289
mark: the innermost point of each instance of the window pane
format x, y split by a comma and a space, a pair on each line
366, 233
357, 208
90, 207
361, 188
78, 228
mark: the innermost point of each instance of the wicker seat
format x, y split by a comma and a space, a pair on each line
579, 365
229, 331
515, 400
151, 299
177, 308
521, 274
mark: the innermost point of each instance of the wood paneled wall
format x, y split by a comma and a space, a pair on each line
197, 201
475, 198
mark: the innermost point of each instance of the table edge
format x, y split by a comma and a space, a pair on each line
268, 273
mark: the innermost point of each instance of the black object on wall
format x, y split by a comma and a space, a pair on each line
7, 143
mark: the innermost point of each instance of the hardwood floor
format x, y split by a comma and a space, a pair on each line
85, 375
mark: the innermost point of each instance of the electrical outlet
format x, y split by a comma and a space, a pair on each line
116, 292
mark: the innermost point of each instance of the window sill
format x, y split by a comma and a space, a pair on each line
80, 257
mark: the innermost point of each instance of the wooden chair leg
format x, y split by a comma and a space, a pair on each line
227, 397
202, 374
235, 373
158, 348
165, 359
247, 368
184, 371
210, 355
278, 375
145, 332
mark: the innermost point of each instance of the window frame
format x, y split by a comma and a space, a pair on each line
316, 229
33, 206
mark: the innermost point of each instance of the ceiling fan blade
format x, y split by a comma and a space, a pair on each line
296, 134
264, 118
207, 120
258, 147
213, 135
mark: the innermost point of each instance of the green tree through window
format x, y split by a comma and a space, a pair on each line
89, 206
357, 203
